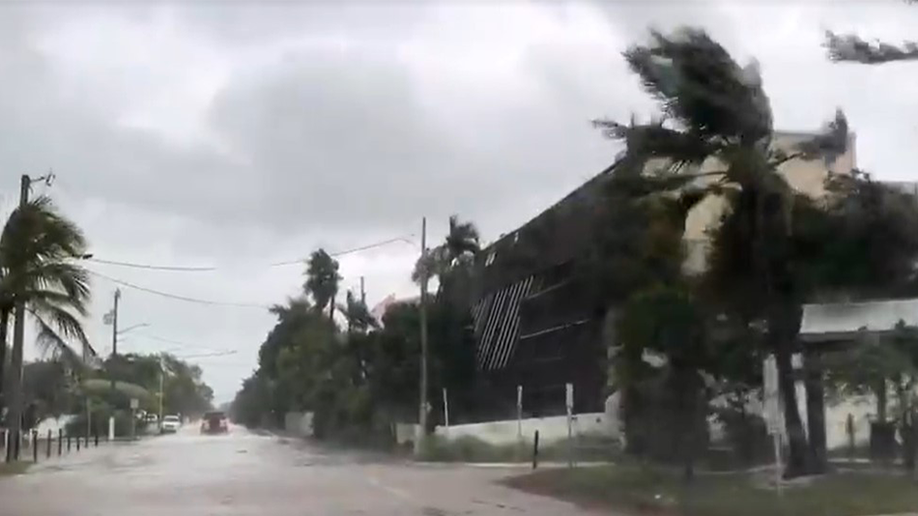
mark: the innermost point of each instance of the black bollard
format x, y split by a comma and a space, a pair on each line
68, 443
535, 450
78, 443
34, 445
96, 438
48, 451
60, 441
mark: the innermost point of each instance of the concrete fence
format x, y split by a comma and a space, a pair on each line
551, 429
298, 423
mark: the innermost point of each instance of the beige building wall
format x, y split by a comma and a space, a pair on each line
806, 176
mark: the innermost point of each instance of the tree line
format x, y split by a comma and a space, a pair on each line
357, 376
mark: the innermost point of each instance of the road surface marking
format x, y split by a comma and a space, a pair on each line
391, 490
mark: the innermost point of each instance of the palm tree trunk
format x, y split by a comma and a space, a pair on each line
815, 411
796, 437
784, 325
4, 326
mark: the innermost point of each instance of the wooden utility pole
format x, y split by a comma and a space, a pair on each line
114, 357
422, 409
14, 420
115, 323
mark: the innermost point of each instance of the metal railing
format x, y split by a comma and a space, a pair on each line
35, 447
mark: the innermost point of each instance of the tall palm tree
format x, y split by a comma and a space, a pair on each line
716, 113
461, 240
38, 247
322, 280
460, 245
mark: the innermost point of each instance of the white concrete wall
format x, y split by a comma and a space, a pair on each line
298, 423
863, 410
550, 428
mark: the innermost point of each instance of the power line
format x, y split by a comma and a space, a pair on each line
152, 267
175, 342
176, 296
206, 355
405, 238
176, 268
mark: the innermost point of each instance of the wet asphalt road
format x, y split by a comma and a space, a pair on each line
248, 474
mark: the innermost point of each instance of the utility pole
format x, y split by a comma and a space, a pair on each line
15, 405
114, 357
162, 373
363, 293
422, 409
115, 324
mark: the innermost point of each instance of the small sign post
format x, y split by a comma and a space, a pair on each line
772, 411
519, 413
569, 403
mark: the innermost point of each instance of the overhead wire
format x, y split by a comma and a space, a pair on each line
176, 296
176, 342
176, 268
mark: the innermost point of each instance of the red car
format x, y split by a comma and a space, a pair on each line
214, 423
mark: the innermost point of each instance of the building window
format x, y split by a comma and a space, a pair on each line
490, 259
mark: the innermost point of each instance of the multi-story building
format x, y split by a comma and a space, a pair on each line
537, 329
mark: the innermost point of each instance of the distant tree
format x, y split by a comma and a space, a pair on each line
322, 280
357, 314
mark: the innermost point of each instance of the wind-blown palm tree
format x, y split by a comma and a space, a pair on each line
37, 249
322, 280
460, 245
716, 113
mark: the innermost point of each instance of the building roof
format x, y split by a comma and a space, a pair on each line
822, 322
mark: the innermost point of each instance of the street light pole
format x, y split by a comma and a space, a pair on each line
114, 357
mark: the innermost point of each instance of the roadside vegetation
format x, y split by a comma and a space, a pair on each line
360, 378
635, 489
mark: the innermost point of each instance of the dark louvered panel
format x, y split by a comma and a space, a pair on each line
510, 339
497, 324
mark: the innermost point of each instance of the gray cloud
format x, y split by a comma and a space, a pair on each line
243, 134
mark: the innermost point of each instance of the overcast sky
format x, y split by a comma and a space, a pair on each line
238, 134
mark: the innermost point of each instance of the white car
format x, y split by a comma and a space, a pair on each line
170, 424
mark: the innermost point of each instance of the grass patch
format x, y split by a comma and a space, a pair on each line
644, 490
472, 449
13, 468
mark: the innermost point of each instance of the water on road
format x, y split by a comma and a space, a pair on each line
250, 474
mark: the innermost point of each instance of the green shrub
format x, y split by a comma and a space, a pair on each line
472, 449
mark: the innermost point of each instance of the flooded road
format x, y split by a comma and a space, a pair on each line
249, 474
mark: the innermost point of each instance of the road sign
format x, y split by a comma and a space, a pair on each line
134, 403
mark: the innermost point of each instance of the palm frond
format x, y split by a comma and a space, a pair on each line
65, 323
701, 87
831, 143
50, 343
648, 141
853, 48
